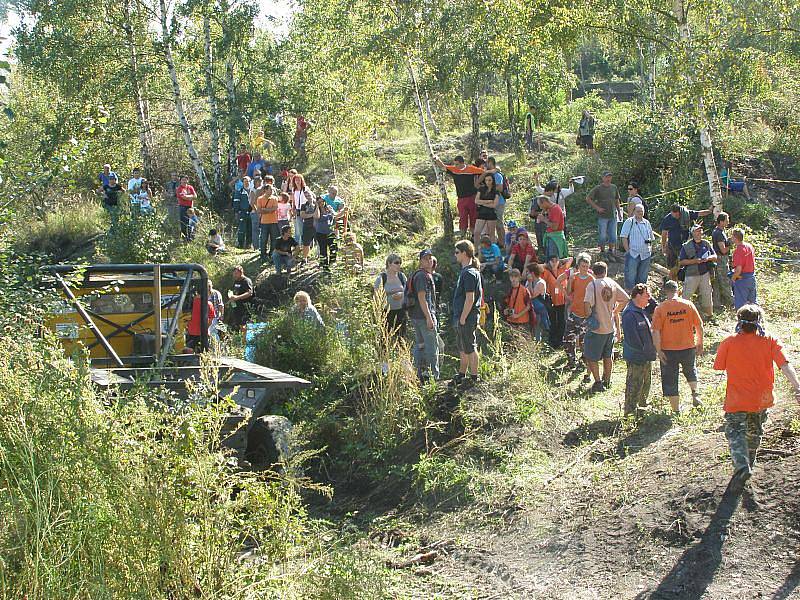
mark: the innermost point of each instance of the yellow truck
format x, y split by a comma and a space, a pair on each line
131, 319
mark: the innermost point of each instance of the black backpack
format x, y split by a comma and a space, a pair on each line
410, 294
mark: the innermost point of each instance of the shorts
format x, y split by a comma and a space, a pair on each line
587, 141
466, 336
486, 214
598, 345
677, 359
308, 235
736, 186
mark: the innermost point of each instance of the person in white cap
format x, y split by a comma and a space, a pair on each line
697, 258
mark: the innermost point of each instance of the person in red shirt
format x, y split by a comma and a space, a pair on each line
522, 254
744, 267
243, 159
554, 241
193, 331
186, 197
747, 357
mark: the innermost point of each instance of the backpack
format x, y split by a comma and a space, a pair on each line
506, 189
410, 294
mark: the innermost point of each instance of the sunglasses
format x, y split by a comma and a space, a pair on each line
630, 189
397, 262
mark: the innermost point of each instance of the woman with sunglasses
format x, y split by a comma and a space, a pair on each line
391, 283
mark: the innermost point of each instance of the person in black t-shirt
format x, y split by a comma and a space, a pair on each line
239, 298
283, 254
111, 193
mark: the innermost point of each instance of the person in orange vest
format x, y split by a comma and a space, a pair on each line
747, 357
517, 301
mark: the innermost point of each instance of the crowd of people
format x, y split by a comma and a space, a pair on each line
566, 301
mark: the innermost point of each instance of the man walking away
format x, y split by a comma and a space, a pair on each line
421, 303
721, 284
186, 198
464, 179
604, 199
747, 358
467, 300
744, 275
603, 301
586, 132
675, 231
698, 257
637, 239
637, 350
678, 338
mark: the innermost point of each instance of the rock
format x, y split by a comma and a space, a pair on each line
268, 440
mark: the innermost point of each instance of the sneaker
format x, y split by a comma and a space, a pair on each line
471, 381
607, 383
597, 387
696, 400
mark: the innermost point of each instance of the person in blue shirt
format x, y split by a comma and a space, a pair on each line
257, 164
638, 349
675, 231
333, 200
105, 176
491, 257
323, 227
698, 259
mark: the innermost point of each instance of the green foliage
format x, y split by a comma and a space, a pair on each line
89, 489
135, 237
345, 574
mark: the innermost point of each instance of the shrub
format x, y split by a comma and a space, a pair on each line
137, 238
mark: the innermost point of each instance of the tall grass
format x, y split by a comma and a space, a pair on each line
72, 223
105, 497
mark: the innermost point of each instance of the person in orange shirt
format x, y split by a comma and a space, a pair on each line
517, 301
747, 357
678, 338
553, 269
575, 328
267, 207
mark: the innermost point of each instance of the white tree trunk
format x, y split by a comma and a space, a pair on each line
213, 119
142, 111
447, 215
197, 164
230, 90
714, 187
429, 113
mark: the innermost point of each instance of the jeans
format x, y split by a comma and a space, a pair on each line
244, 234
255, 223
184, 218
539, 229
607, 231
426, 348
636, 270
298, 228
744, 290
269, 231
281, 262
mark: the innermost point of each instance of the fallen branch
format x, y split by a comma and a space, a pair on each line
425, 558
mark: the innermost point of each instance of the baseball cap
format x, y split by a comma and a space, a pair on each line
669, 284
511, 224
426, 252
607, 173
695, 226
